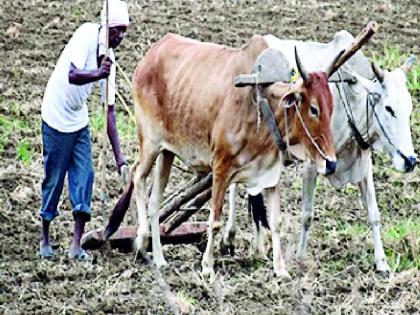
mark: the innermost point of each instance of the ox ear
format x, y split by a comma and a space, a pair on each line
408, 64
290, 99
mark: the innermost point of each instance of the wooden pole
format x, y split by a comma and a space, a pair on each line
105, 131
183, 214
196, 187
361, 39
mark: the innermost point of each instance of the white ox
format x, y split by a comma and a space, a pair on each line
380, 106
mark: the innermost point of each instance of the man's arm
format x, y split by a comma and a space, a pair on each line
80, 77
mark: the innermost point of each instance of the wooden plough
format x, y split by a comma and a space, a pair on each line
175, 211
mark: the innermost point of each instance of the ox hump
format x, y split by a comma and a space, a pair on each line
255, 45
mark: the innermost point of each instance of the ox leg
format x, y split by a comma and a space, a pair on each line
309, 184
257, 228
140, 176
273, 207
162, 171
219, 187
258, 242
230, 230
367, 190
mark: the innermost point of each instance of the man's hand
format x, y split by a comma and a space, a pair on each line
80, 77
105, 68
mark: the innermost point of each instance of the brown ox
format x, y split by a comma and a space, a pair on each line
186, 105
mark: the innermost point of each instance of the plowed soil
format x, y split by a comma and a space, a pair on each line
338, 276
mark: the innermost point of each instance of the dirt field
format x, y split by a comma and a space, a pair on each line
339, 276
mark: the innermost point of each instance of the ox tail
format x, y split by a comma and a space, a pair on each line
258, 210
118, 213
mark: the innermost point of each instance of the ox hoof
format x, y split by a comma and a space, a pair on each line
383, 270
382, 267
282, 274
159, 260
260, 255
227, 249
383, 273
208, 274
141, 242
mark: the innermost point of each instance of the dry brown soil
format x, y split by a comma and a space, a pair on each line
338, 276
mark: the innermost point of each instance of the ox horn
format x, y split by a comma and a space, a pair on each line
406, 67
302, 71
379, 73
334, 65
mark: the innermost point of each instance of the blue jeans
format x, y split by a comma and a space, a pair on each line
66, 153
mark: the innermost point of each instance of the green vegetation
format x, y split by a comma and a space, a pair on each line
257, 263
24, 152
125, 126
97, 120
400, 237
352, 230
10, 126
182, 296
401, 241
391, 57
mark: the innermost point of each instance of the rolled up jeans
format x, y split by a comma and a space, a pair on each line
66, 153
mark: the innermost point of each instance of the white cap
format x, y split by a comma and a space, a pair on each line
118, 13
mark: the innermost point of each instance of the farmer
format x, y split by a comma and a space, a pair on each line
65, 131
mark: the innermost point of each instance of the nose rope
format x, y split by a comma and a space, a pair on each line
321, 153
286, 124
364, 144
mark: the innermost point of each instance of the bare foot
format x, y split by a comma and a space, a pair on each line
45, 251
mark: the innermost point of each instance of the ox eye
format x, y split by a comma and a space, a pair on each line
390, 110
313, 110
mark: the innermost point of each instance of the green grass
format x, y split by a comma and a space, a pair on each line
9, 126
352, 230
400, 237
97, 120
24, 151
401, 241
125, 127
257, 263
402, 229
391, 57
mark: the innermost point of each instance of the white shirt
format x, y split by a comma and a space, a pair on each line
64, 105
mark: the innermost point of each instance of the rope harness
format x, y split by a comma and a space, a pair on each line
371, 101
342, 89
264, 108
